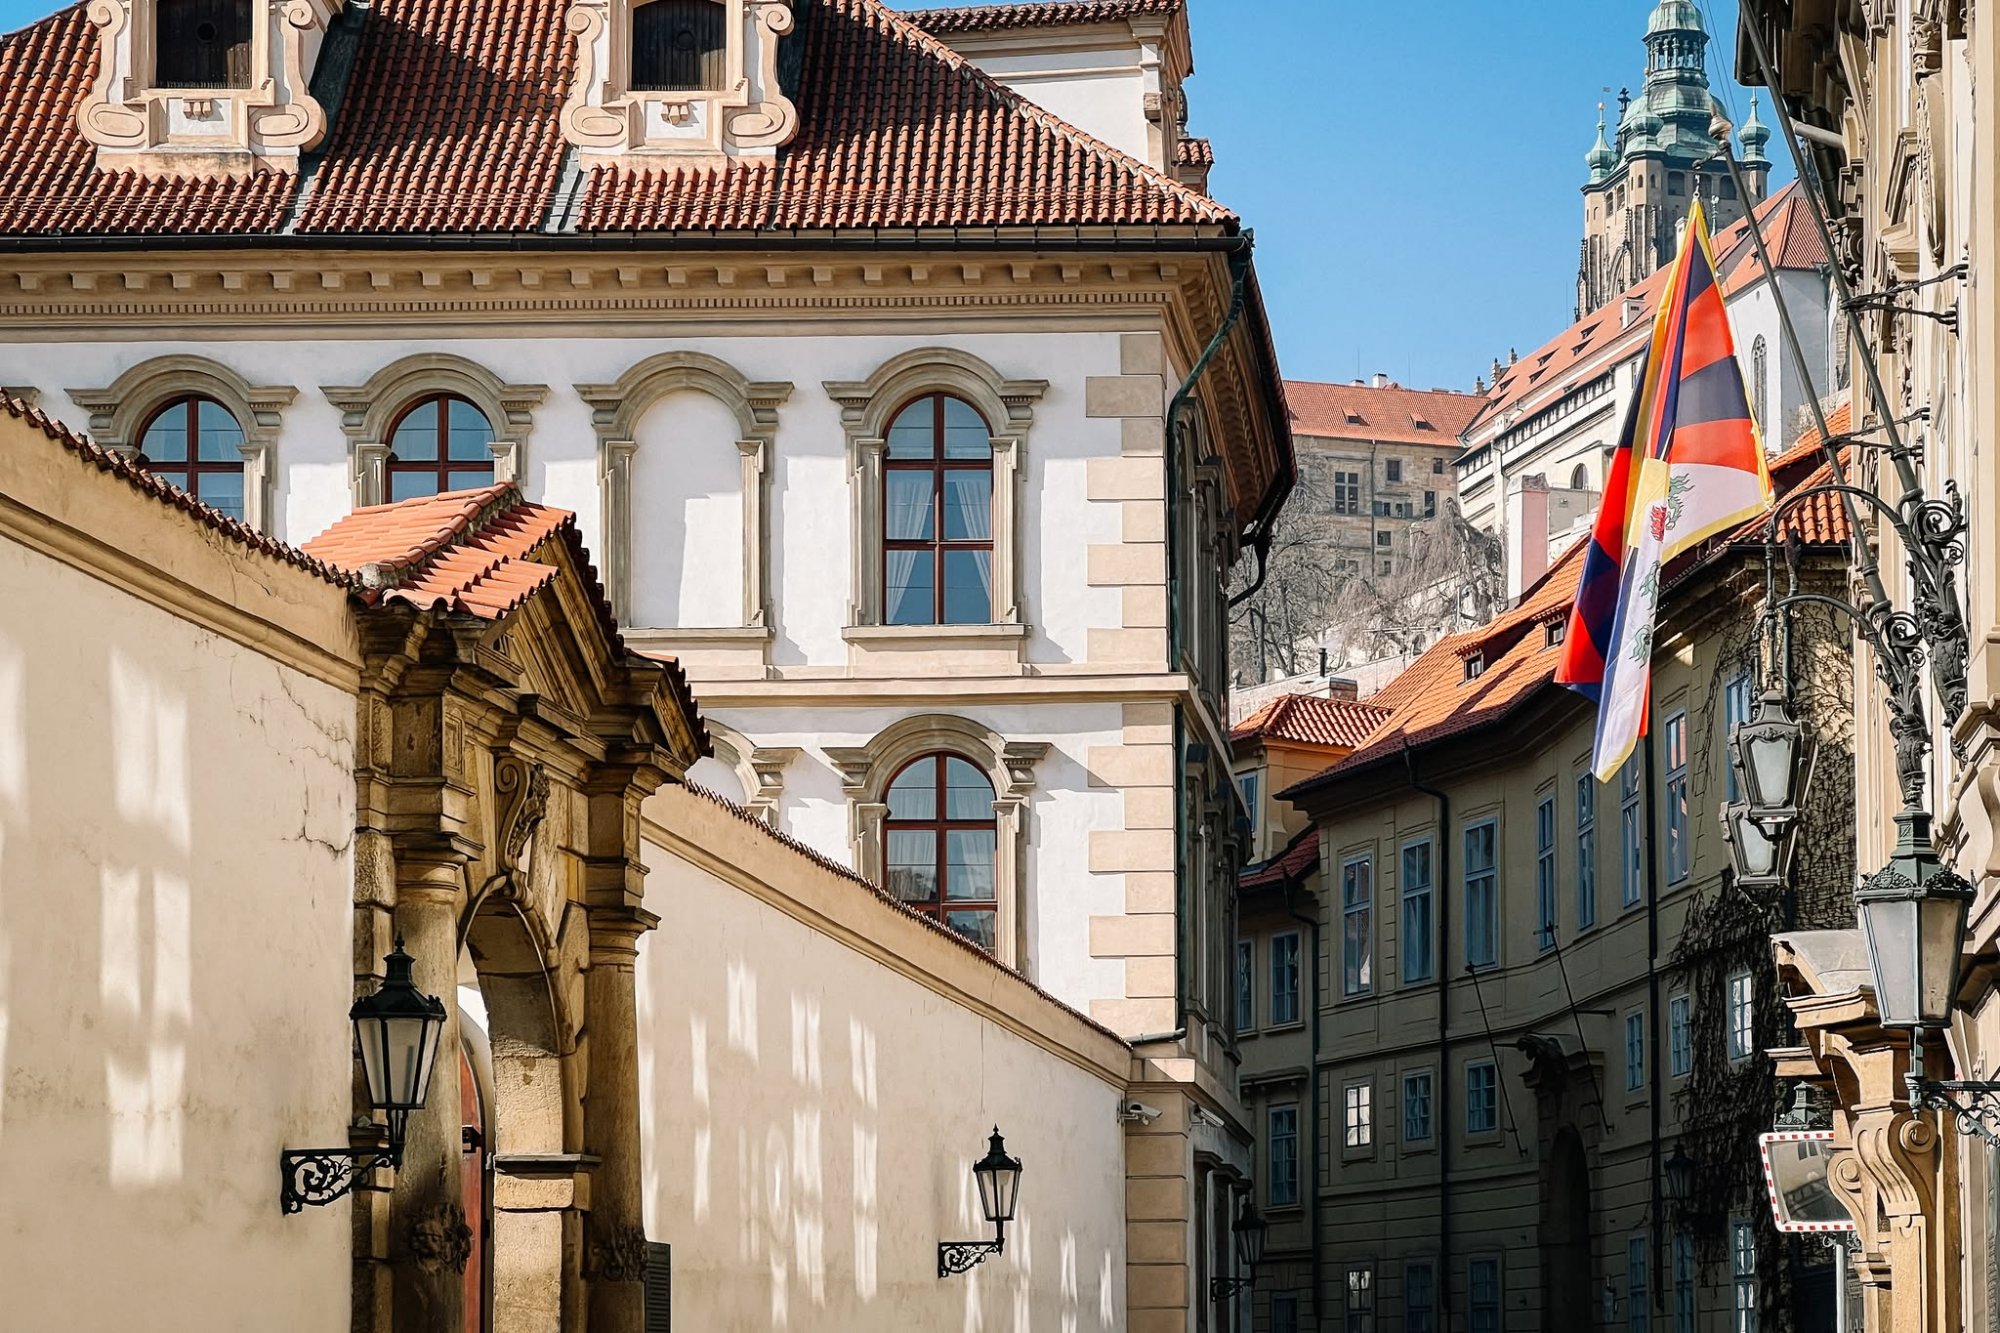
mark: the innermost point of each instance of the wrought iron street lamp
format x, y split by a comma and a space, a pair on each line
396, 1030
998, 1177
1768, 750
1248, 1233
1759, 860
1679, 1172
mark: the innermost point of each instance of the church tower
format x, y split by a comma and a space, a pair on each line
1640, 190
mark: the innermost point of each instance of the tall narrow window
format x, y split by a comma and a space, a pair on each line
1393, 471
1742, 1017
1357, 927
1419, 936
1631, 845
1482, 1097
1417, 1107
939, 842
1482, 896
1246, 985
1545, 873
1482, 1295
1347, 492
1284, 979
1635, 1051
1680, 832
1760, 375
1684, 1281
441, 443
194, 443
202, 44
1360, 1314
1743, 1273
1283, 1189
1735, 712
1284, 1312
938, 514
679, 46
1358, 1115
1251, 787
1680, 1037
1638, 1290
1586, 851
1419, 1297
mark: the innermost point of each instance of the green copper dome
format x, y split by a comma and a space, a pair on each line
1676, 16
1601, 159
1755, 134
1669, 119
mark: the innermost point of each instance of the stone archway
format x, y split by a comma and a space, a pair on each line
1565, 1226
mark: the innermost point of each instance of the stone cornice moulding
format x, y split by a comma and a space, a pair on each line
119, 413
370, 411
217, 131
616, 411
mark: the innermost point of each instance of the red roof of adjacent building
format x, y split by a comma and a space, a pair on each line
1299, 859
1392, 413
1038, 14
1311, 719
450, 122
1790, 236
121, 466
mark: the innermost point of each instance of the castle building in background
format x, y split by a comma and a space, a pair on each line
1664, 158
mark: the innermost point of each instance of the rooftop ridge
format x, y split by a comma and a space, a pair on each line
1036, 13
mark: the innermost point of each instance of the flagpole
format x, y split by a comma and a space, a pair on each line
1788, 334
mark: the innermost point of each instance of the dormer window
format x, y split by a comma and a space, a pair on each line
679, 46
202, 44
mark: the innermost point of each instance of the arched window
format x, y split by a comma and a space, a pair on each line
678, 46
939, 842
937, 515
440, 443
202, 44
1759, 373
1579, 478
197, 445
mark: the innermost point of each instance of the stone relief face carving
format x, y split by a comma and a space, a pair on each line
618, 1254
440, 1239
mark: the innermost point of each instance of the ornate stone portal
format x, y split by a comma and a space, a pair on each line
502, 765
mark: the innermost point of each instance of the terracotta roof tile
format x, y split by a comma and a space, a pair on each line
451, 123
1298, 859
1311, 719
1603, 338
898, 130
119, 465
464, 550
49, 181
1362, 411
1041, 14
1190, 152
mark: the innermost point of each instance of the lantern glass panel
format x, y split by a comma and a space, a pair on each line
1890, 924
1773, 754
1942, 921
1250, 1240
1755, 850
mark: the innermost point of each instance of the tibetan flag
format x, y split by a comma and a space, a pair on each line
1591, 619
1697, 469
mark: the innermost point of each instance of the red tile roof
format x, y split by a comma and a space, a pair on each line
466, 550
1393, 414
1604, 338
451, 123
95, 455
1299, 859
1311, 719
1040, 14
1190, 152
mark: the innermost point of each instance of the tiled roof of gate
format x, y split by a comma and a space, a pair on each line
451, 123
465, 550
1038, 14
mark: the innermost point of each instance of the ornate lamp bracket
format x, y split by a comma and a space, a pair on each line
1222, 1288
1973, 1106
962, 1256
316, 1177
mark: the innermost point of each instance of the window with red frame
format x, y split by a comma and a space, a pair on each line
441, 443
197, 444
937, 512
939, 842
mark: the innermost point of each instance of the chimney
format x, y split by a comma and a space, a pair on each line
1527, 533
1342, 687
1379, 380
1325, 662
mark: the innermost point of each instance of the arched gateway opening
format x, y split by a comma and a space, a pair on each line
1566, 1234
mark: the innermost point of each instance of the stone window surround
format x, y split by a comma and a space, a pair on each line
604, 116
273, 115
370, 411
120, 411
865, 774
867, 407
760, 768
616, 410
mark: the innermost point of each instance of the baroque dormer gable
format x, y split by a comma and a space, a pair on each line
213, 87
678, 78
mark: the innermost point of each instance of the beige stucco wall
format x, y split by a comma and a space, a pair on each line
176, 814
817, 1074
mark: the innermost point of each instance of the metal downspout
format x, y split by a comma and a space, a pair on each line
1443, 899
1313, 1140
1652, 1028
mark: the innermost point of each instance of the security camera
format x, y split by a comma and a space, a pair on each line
1138, 1111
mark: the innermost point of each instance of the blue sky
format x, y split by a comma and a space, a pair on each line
1411, 170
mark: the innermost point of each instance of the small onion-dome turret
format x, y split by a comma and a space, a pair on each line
1755, 135
1601, 159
